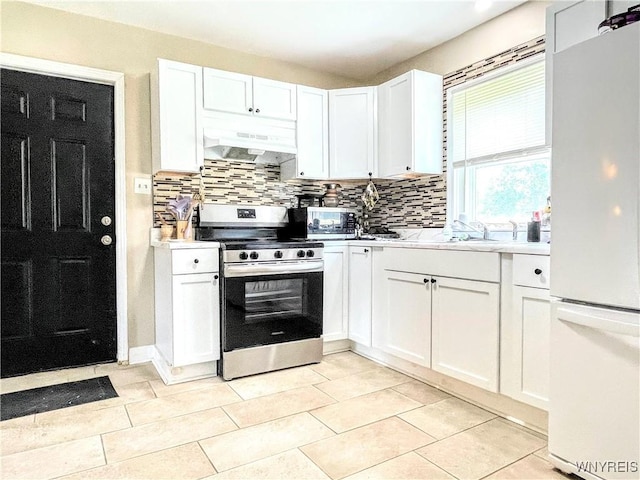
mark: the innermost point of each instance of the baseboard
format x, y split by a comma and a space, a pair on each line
172, 375
335, 346
142, 354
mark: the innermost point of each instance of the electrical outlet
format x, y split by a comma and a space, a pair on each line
142, 185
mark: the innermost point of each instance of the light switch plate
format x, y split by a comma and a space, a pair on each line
142, 185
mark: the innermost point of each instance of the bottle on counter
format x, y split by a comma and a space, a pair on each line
533, 228
447, 232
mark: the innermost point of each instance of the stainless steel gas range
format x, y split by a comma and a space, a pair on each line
271, 290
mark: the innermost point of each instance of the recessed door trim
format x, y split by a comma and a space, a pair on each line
94, 75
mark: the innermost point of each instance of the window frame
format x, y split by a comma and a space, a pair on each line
452, 192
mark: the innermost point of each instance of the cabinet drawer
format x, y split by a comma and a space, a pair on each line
531, 271
194, 260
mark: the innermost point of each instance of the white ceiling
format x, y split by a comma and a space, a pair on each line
352, 38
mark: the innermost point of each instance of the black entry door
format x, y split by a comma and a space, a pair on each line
58, 278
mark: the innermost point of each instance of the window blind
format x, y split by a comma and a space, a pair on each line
498, 115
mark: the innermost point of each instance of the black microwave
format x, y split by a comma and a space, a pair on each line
322, 223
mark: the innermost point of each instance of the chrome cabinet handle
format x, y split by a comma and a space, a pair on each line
106, 240
106, 220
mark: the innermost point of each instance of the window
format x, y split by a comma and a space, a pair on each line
498, 162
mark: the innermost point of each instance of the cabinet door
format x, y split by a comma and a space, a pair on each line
336, 305
177, 117
352, 133
274, 99
465, 321
527, 376
410, 125
196, 318
312, 133
360, 274
404, 327
568, 23
228, 91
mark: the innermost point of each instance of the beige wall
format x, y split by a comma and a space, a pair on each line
55, 35
514, 27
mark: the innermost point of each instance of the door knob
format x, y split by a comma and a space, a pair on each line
106, 220
106, 240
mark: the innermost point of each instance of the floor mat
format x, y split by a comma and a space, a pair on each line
53, 397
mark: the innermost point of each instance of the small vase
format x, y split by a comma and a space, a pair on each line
331, 196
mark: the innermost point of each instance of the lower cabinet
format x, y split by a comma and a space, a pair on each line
526, 328
187, 307
335, 325
465, 318
360, 294
196, 318
402, 317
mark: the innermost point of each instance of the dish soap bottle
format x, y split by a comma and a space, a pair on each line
447, 232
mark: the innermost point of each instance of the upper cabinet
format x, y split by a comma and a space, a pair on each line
176, 117
410, 125
567, 24
246, 95
352, 133
312, 136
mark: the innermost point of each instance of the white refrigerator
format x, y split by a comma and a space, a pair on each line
594, 408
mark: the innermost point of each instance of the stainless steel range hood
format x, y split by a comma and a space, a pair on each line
247, 138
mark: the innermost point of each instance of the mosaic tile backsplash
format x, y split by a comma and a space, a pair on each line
234, 182
410, 203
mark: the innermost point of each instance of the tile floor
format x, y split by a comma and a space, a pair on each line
346, 417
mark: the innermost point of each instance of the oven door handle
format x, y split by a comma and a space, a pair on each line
281, 268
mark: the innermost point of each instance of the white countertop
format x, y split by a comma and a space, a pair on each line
541, 248
475, 246
181, 244
478, 246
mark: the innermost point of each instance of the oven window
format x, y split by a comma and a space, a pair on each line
266, 300
271, 309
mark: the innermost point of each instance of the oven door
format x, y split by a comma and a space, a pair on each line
266, 304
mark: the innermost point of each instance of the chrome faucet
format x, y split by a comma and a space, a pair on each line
484, 232
515, 229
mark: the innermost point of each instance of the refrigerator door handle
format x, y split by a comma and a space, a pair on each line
598, 322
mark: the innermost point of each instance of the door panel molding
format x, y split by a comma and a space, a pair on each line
116, 79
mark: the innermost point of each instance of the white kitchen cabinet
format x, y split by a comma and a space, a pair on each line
360, 294
176, 117
187, 307
525, 332
352, 133
568, 23
402, 317
312, 136
410, 125
246, 95
465, 338
532, 324
335, 325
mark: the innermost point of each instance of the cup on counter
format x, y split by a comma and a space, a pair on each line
182, 227
166, 232
533, 231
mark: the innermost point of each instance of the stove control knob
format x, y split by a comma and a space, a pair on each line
300, 253
310, 253
253, 255
277, 254
244, 255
